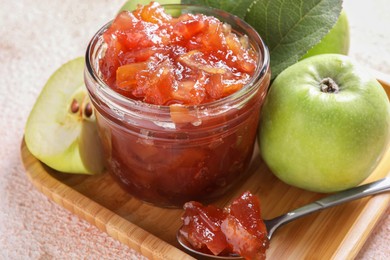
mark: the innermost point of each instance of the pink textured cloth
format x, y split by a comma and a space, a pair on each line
36, 37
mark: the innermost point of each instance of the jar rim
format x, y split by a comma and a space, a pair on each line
253, 35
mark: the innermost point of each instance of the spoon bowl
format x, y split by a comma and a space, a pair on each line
272, 225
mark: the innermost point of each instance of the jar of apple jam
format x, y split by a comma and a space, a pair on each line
177, 92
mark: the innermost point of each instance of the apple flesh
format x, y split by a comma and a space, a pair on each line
335, 41
325, 124
61, 130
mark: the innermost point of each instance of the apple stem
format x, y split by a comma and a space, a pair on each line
328, 85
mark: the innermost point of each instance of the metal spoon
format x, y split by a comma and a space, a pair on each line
358, 192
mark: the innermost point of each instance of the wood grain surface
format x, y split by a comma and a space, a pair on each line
336, 233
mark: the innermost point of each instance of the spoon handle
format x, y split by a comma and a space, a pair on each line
330, 201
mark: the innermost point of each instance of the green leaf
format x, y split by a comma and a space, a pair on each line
236, 7
131, 5
291, 27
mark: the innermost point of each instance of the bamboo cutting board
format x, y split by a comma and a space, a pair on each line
336, 233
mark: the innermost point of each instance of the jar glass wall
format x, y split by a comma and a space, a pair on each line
168, 155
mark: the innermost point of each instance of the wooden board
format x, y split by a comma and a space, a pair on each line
336, 233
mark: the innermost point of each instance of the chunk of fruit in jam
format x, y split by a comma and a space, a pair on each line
236, 229
202, 227
244, 229
198, 58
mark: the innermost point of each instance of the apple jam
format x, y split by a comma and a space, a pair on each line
192, 59
177, 100
238, 229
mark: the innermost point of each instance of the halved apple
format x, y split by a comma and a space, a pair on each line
61, 130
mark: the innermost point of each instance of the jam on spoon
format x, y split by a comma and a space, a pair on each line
376, 187
235, 230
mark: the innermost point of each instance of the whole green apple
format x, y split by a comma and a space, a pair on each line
336, 41
325, 124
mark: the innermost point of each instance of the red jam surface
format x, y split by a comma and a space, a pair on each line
192, 59
236, 229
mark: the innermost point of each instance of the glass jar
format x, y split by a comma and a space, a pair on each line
168, 155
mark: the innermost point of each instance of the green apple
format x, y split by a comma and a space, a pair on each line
325, 124
132, 4
336, 41
61, 129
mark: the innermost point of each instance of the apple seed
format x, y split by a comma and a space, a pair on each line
74, 107
88, 110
